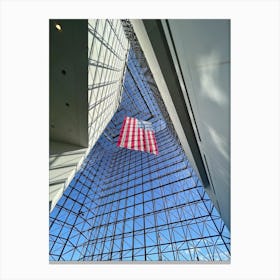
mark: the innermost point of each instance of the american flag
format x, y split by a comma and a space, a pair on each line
138, 135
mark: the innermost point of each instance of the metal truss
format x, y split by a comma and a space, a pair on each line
107, 55
145, 72
126, 205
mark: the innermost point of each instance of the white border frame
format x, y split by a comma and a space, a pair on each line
254, 138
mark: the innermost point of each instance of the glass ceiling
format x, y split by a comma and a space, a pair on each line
126, 205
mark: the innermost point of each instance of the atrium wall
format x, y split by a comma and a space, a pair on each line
81, 108
133, 206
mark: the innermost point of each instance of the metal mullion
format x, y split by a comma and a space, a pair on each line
116, 34
109, 216
166, 213
114, 231
144, 84
71, 228
175, 225
136, 84
131, 99
115, 63
63, 207
167, 174
102, 65
69, 214
195, 222
92, 106
103, 42
97, 117
163, 185
182, 227
220, 233
101, 84
169, 225
164, 210
97, 234
118, 50
93, 38
143, 212
98, 58
200, 231
89, 238
107, 73
123, 228
202, 224
158, 238
133, 220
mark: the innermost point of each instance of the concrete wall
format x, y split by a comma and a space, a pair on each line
68, 103
64, 161
203, 50
87, 63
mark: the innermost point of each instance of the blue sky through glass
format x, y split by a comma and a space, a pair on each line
131, 205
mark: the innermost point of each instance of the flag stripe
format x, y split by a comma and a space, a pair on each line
124, 133
121, 133
147, 146
152, 142
137, 135
133, 135
142, 140
152, 147
135, 141
128, 138
148, 140
139, 142
155, 142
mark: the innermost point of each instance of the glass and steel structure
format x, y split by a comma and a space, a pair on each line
107, 55
126, 205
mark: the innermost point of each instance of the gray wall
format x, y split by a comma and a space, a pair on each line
68, 103
203, 49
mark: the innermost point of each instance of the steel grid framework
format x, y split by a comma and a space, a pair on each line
107, 55
129, 205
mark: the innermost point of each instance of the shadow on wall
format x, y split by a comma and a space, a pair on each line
214, 104
210, 68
